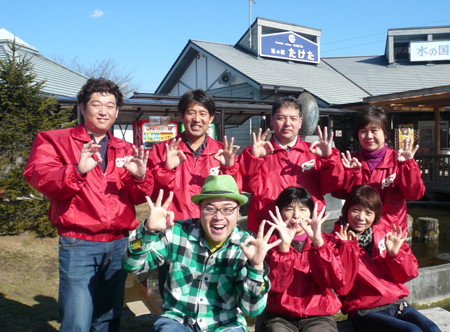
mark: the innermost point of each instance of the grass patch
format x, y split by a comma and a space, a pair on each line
29, 282
444, 304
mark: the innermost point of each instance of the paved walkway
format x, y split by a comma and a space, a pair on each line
439, 316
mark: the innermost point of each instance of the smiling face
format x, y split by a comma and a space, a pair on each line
372, 137
99, 113
295, 211
196, 120
216, 226
360, 217
286, 123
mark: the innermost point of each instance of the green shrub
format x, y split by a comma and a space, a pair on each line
24, 111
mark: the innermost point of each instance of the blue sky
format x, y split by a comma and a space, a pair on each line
146, 37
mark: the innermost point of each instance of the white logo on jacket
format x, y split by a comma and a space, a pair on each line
214, 170
306, 166
389, 180
121, 161
382, 245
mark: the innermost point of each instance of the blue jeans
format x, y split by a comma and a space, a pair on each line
164, 324
409, 319
91, 284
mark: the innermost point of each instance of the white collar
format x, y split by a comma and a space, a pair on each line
289, 146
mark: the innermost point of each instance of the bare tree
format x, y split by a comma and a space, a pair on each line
107, 68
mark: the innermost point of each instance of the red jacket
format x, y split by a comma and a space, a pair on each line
302, 282
94, 207
265, 178
187, 179
396, 182
380, 279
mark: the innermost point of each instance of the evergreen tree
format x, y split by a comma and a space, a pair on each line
24, 111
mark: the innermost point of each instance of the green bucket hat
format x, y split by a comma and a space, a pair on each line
220, 186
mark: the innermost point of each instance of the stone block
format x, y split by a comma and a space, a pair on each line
426, 229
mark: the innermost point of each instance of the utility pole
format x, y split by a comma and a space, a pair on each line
250, 22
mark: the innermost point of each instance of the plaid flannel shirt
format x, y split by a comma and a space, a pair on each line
208, 290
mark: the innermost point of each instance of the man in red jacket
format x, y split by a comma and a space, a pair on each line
182, 164
93, 181
268, 167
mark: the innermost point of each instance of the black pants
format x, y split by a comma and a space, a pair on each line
268, 322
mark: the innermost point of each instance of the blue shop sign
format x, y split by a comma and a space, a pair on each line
289, 46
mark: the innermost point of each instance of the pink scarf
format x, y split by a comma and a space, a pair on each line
374, 158
300, 238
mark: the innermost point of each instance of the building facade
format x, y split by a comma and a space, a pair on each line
274, 59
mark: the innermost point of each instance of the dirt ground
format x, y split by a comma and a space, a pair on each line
29, 284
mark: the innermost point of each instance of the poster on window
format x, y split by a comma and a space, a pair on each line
154, 130
405, 132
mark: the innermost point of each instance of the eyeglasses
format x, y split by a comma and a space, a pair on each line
225, 211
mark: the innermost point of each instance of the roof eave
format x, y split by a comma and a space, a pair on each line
172, 75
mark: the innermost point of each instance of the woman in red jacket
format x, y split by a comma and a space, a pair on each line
375, 298
303, 269
395, 175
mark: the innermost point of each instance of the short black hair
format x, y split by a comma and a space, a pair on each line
99, 85
295, 195
372, 114
198, 96
287, 102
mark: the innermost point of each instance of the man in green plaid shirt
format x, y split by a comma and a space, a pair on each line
216, 271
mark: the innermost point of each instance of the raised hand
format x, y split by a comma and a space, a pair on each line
87, 161
256, 249
226, 155
345, 235
174, 157
322, 147
137, 164
159, 219
394, 240
261, 147
313, 226
407, 153
286, 230
350, 162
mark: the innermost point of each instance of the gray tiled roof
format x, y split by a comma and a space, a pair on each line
373, 75
59, 80
321, 80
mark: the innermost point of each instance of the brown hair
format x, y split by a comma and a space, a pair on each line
366, 196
